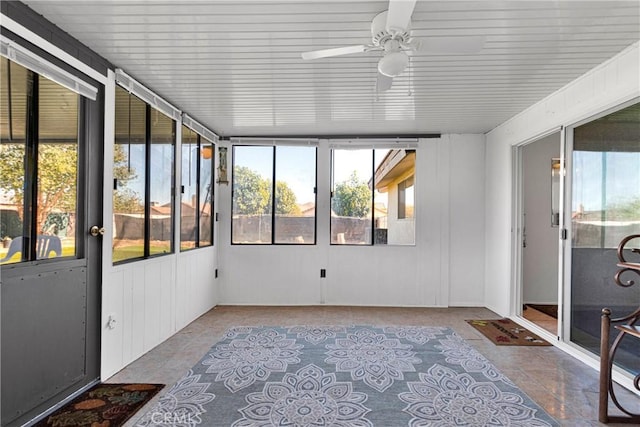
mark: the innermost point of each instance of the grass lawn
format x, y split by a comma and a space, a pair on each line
136, 251
119, 253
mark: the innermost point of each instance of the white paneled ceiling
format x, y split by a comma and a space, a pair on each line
236, 66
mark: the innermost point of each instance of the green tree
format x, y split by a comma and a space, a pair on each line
251, 192
286, 201
352, 197
125, 200
57, 177
12, 173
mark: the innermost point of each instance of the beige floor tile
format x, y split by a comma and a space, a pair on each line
565, 387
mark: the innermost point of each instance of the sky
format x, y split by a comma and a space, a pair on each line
296, 165
622, 183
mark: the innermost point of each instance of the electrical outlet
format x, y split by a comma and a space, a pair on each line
323, 273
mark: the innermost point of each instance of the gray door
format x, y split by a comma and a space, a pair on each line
51, 152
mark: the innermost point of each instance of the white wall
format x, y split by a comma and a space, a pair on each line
467, 205
540, 256
449, 220
607, 85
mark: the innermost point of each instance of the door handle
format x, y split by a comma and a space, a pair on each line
96, 231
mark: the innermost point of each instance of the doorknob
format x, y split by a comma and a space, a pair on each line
95, 231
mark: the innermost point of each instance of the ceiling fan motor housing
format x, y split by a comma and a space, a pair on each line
380, 35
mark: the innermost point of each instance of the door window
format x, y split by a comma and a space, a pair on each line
39, 161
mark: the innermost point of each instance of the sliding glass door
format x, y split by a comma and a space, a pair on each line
604, 171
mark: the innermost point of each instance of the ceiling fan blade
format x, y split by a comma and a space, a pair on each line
336, 51
450, 45
399, 15
383, 83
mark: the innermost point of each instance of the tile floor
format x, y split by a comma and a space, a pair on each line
565, 387
541, 319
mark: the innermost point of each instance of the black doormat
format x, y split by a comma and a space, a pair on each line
104, 405
548, 309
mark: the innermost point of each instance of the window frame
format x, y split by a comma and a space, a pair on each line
147, 184
197, 243
402, 200
373, 149
273, 197
31, 167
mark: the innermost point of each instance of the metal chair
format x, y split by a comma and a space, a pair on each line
626, 327
44, 246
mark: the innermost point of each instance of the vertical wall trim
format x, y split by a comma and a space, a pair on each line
444, 188
107, 203
563, 330
177, 232
147, 181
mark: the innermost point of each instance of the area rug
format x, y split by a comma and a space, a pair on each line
507, 332
104, 405
548, 309
344, 376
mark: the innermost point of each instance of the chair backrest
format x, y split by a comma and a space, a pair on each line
48, 244
14, 247
44, 246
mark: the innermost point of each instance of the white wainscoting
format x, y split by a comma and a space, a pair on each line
151, 300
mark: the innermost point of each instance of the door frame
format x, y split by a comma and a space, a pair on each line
517, 222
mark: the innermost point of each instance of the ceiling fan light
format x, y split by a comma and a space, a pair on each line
393, 63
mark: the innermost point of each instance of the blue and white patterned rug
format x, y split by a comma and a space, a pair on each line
344, 376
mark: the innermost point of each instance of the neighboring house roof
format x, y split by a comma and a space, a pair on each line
9, 207
307, 209
379, 210
397, 163
187, 209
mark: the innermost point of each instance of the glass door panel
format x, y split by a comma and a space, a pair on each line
605, 207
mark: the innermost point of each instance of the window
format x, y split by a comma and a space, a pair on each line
405, 198
196, 220
39, 156
274, 198
372, 191
143, 168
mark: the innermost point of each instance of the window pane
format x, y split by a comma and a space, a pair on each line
351, 204
295, 197
129, 173
405, 198
252, 194
188, 207
161, 183
57, 167
605, 209
12, 150
394, 197
207, 151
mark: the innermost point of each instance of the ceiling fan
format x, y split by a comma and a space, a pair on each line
391, 34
